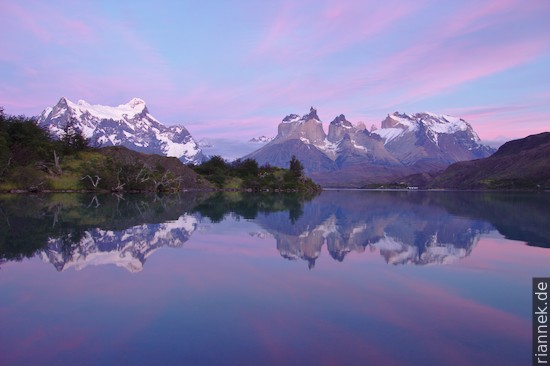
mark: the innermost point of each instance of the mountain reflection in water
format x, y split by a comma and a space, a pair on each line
77, 230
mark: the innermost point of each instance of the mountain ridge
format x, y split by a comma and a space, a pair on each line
130, 125
405, 144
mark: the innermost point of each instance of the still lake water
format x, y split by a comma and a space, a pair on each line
344, 278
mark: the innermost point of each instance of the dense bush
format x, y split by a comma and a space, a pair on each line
27, 149
251, 176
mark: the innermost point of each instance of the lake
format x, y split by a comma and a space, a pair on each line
341, 278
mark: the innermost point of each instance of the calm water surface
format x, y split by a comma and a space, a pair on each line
347, 277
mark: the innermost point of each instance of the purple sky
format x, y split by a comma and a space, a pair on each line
234, 69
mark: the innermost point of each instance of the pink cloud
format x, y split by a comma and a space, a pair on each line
306, 33
475, 16
418, 72
356, 21
27, 19
469, 64
78, 28
49, 25
491, 122
282, 25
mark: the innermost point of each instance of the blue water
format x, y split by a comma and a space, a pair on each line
347, 277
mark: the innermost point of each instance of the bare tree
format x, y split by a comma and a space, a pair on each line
56, 165
166, 180
119, 185
94, 183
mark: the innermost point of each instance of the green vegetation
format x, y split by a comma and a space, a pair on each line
31, 160
28, 222
28, 154
247, 175
386, 186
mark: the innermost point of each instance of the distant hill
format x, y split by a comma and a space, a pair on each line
518, 164
186, 177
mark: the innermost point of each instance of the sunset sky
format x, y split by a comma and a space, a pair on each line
234, 69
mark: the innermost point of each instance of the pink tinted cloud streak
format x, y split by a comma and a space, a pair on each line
296, 33
438, 61
495, 122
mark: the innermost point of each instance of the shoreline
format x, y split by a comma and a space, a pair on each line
103, 191
249, 190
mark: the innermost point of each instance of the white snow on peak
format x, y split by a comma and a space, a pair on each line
133, 126
171, 148
121, 112
389, 134
405, 120
358, 147
47, 112
135, 102
435, 123
262, 139
292, 118
329, 148
444, 123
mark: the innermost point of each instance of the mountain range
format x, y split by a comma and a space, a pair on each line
130, 125
412, 148
351, 155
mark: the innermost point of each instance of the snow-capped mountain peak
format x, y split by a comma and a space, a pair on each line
311, 115
429, 135
440, 123
129, 110
135, 102
443, 123
400, 120
130, 125
405, 143
261, 139
292, 118
396, 124
341, 121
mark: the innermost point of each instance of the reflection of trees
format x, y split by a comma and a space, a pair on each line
26, 223
249, 205
30, 223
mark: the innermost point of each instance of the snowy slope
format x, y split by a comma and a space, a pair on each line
397, 124
130, 125
428, 136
